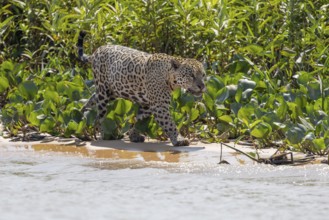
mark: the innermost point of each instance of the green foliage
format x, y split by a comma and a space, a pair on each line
267, 65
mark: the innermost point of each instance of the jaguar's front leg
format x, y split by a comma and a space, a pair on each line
163, 118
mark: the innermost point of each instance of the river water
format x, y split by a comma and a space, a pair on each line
38, 183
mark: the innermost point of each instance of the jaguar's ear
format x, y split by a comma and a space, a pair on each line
175, 64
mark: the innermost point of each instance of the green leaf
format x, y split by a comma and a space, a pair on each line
209, 102
288, 52
226, 118
4, 84
28, 90
51, 95
314, 91
239, 65
34, 117
214, 84
282, 108
222, 95
5, 22
176, 94
246, 94
47, 125
238, 95
320, 143
70, 89
306, 124
76, 115
295, 135
246, 84
41, 117
194, 114
90, 117
246, 114
122, 106
72, 125
232, 89
261, 130
254, 49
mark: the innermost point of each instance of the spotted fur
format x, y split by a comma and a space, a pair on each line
145, 79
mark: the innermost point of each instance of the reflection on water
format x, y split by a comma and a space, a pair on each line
167, 156
66, 182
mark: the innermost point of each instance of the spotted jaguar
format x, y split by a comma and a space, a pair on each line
145, 79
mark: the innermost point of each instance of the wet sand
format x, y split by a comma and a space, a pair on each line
152, 150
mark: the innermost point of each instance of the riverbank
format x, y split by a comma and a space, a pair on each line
153, 150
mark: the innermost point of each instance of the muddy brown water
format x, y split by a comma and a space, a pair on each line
68, 182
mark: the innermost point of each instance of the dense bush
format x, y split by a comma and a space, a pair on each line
267, 65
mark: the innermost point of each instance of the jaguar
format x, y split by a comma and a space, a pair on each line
145, 79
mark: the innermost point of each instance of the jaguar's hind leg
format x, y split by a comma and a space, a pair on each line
103, 98
134, 134
100, 99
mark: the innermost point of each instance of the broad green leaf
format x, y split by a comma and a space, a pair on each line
122, 106
76, 115
310, 136
214, 84
28, 89
307, 124
176, 93
314, 91
52, 95
72, 125
194, 114
6, 22
319, 143
246, 84
232, 89
254, 49
235, 107
72, 90
47, 125
226, 118
238, 95
41, 117
90, 117
279, 125
239, 65
222, 95
246, 94
7, 66
246, 114
81, 127
295, 135
282, 108
34, 117
110, 130
208, 101
261, 130
4, 84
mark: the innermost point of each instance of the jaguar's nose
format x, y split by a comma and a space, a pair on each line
202, 87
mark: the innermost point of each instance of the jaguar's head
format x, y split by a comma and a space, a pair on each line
188, 74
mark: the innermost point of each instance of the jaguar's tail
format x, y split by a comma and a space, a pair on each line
83, 57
